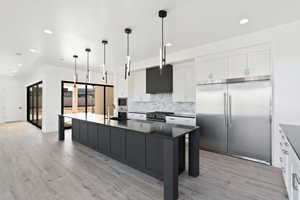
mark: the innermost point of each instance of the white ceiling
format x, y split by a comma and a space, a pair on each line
78, 24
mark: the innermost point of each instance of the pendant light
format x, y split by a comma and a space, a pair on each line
87, 50
104, 71
128, 31
162, 14
75, 70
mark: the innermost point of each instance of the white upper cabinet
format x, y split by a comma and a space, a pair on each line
259, 62
246, 62
211, 68
137, 86
184, 82
238, 65
249, 62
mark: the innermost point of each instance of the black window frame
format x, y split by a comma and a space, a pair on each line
37, 103
86, 93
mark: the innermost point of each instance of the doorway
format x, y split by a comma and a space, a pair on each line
85, 98
34, 104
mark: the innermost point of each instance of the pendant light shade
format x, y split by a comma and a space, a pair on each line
104, 70
162, 52
87, 50
128, 31
75, 70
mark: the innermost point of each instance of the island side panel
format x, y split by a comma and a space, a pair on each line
61, 128
194, 151
170, 168
75, 130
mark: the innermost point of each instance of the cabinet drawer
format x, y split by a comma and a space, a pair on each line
181, 120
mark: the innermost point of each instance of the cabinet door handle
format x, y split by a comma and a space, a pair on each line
296, 181
285, 152
286, 144
225, 109
230, 111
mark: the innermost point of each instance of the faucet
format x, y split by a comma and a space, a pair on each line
110, 107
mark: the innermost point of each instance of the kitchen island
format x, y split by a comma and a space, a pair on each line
155, 148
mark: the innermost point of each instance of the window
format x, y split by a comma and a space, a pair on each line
89, 98
34, 104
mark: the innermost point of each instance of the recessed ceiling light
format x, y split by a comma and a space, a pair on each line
32, 50
20, 65
169, 44
47, 31
244, 21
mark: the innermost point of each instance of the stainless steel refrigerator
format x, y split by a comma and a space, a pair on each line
235, 117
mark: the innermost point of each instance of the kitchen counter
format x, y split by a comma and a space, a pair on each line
141, 126
292, 133
155, 148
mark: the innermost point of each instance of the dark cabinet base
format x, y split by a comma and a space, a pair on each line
159, 157
139, 151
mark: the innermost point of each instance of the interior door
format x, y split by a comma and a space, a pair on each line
249, 119
211, 116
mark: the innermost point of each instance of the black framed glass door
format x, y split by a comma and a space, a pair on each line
34, 103
85, 98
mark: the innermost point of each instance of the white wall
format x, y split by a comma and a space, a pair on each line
12, 106
52, 77
285, 46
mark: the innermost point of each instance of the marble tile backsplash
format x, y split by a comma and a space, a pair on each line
162, 102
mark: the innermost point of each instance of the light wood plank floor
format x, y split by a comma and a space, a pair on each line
35, 166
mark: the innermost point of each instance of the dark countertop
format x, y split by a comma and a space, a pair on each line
143, 126
183, 115
137, 112
292, 133
172, 115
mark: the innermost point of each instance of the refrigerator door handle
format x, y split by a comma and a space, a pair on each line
225, 109
230, 110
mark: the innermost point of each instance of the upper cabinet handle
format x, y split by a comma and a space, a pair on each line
295, 181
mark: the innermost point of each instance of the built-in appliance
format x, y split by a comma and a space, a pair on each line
159, 80
158, 116
122, 108
235, 117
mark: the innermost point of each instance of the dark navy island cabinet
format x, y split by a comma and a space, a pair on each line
160, 157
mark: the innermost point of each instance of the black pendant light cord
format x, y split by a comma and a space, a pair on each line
127, 67
75, 75
88, 64
104, 42
162, 14
128, 31
162, 41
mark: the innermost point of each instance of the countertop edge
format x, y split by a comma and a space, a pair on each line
146, 133
283, 127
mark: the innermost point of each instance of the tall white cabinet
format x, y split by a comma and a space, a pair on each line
246, 62
137, 86
184, 82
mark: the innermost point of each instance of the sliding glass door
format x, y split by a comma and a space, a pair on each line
86, 98
34, 104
